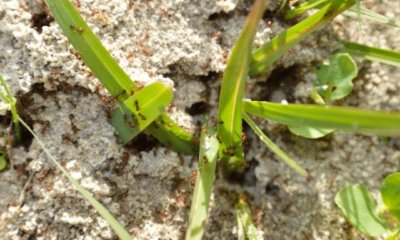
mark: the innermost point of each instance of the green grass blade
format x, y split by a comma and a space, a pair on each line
246, 227
172, 135
304, 7
231, 96
208, 157
9, 99
340, 118
264, 56
364, 13
274, 148
141, 109
93, 53
105, 214
106, 69
359, 208
372, 53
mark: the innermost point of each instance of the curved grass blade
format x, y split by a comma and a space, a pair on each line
106, 69
264, 56
231, 96
246, 227
340, 118
274, 148
208, 157
372, 53
359, 208
8, 98
141, 109
360, 12
104, 213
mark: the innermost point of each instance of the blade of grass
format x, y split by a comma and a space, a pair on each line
106, 69
264, 56
141, 109
304, 7
93, 53
8, 98
104, 213
231, 96
340, 118
274, 148
372, 53
208, 157
246, 228
364, 13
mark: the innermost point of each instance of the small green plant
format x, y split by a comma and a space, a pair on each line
139, 110
362, 212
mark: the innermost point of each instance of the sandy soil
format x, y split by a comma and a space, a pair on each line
146, 186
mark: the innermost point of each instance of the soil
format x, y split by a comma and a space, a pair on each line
146, 186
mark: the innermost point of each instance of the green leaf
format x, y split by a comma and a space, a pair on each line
208, 157
310, 132
267, 54
390, 191
104, 213
3, 161
334, 80
274, 148
360, 210
231, 96
372, 53
340, 118
141, 109
111, 75
246, 228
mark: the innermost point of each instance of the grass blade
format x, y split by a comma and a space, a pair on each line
141, 109
304, 7
364, 13
208, 157
8, 98
372, 53
264, 56
93, 53
105, 214
231, 96
106, 69
274, 148
246, 228
340, 118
